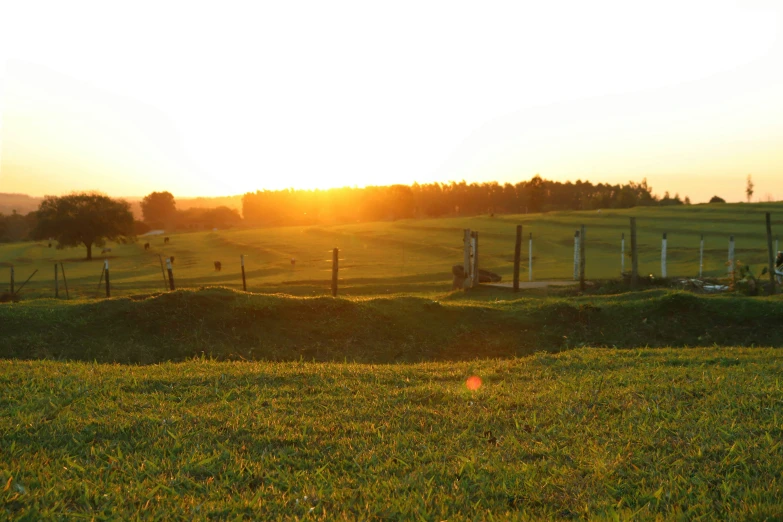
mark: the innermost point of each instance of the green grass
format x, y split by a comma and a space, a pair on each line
228, 325
596, 433
407, 256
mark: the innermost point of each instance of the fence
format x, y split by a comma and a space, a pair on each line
411, 256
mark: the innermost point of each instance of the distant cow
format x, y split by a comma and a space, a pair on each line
146, 246
106, 251
218, 266
165, 240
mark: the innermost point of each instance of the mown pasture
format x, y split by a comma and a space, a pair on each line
406, 256
589, 433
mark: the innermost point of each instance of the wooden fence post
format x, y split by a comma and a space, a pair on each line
335, 254
106, 273
466, 252
663, 256
582, 258
170, 270
530, 258
56, 283
242, 263
771, 256
622, 254
475, 266
576, 255
634, 256
701, 257
163, 273
65, 280
731, 258
517, 253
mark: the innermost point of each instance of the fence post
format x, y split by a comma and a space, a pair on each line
634, 256
170, 270
701, 257
576, 255
771, 256
622, 254
163, 273
517, 253
12, 280
530, 258
582, 258
242, 263
56, 283
731, 258
466, 251
475, 267
335, 254
663, 256
65, 280
106, 272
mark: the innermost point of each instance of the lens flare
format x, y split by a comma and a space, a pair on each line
473, 383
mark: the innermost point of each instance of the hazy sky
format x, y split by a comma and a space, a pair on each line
222, 98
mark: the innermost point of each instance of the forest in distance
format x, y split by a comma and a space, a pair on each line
346, 205
372, 203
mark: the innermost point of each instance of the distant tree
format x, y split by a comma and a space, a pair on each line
687, 200
749, 188
535, 193
158, 207
717, 199
83, 219
16, 227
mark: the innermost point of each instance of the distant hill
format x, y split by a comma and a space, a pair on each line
23, 203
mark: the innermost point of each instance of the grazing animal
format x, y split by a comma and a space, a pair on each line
106, 251
146, 246
166, 240
218, 266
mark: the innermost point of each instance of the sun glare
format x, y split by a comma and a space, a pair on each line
353, 94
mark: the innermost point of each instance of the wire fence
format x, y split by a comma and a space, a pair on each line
407, 259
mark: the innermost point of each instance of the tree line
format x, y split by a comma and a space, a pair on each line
302, 207
90, 219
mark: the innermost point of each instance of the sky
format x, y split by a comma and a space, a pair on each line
208, 99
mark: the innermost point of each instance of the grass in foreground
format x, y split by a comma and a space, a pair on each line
590, 432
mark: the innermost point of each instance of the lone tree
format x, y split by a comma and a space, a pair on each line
717, 199
158, 207
84, 219
749, 188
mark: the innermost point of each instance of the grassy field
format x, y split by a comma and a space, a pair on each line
225, 324
407, 256
629, 434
